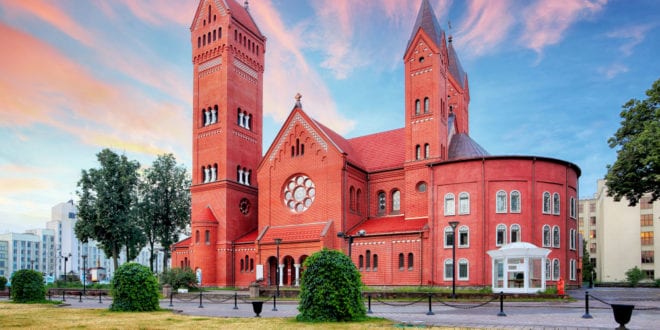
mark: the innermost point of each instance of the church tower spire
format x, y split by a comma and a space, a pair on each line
228, 64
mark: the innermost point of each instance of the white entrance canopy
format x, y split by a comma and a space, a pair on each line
519, 268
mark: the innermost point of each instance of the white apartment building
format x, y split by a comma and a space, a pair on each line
23, 252
618, 236
4, 259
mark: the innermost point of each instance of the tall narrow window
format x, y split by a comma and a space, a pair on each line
515, 201
382, 202
500, 202
546, 236
401, 261
417, 107
555, 236
449, 204
358, 198
207, 237
463, 273
571, 239
375, 264
449, 237
500, 238
418, 152
410, 261
396, 201
426, 105
463, 237
548, 269
449, 269
573, 269
427, 151
555, 204
368, 259
463, 203
555, 269
573, 208
361, 262
546, 202
515, 233
196, 236
351, 202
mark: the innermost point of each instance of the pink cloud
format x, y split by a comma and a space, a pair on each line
633, 36
546, 21
159, 12
486, 25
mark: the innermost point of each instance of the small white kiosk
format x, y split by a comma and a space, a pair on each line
519, 268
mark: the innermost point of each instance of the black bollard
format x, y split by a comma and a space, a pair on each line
79, 297
369, 311
501, 313
586, 306
235, 300
171, 296
49, 295
430, 312
100, 302
200, 300
275, 303
63, 295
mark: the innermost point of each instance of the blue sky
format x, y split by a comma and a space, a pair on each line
546, 78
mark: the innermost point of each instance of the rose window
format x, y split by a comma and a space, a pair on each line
299, 193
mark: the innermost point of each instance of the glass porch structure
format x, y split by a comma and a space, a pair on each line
518, 268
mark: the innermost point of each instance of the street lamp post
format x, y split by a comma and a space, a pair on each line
453, 225
84, 256
350, 241
66, 258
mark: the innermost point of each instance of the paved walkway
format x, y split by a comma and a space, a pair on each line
519, 315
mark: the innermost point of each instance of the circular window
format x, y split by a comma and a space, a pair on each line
421, 187
299, 193
244, 206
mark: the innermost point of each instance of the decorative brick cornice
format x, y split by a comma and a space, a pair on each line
298, 119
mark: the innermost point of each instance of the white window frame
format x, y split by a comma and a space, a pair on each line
463, 262
556, 236
444, 270
499, 227
448, 230
556, 204
464, 203
463, 230
573, 269
450, 204
547, 202
519, 197
500, 201
517, 228
573, 208
546, 235
556, 269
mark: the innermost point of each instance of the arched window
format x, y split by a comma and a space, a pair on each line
396, 201
204, 40
500, 235
426, 105
573, 208
548, 269
463, 267
410, 261
500, 202
515, 233
213, 35
573, 269
418, 152
555, 204
375, 265
463, 237
546, 202
368, 259
515, 201
555, 269
358, 198
417, 107
546, 236
361, 262
245, 260
207, 237
242, 266
196, 236
450, 204
572, 239
199, 42
219, 33
449, 237
427, 151
555, 236
239, 117
351, 198
235, 35
463, 203
251, 264
401, 261
382, 202
449, 270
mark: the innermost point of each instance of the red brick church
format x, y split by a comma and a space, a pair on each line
387, 199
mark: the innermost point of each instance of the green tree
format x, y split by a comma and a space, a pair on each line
106, 210
164, 207
634, 275
3, 283
27, 286
179, 277
134, 289
330, 289
636, 170
587, 266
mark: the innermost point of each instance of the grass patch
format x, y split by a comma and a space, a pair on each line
40, 316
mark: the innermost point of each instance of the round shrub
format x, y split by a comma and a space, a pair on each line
330, 289
134, 289
179, 278
27, 286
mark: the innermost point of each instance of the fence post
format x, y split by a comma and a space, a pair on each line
49, 295
586, 306
430, 312
200, 300
171, 295
501, 313
275, 303
63, 295
79, 297
235, 300
369, 311
100, 293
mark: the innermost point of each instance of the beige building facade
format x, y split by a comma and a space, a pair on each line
619, 237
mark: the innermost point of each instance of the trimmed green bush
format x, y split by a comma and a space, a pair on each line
330, 289
134, 289
179, 278
634, 275
3, 283
27, 286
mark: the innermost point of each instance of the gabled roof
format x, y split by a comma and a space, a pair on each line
341, 143
249, 237
296, 233
390, 225
236, 10
462, 146
427, 21
455, 67
184, 243
384, 150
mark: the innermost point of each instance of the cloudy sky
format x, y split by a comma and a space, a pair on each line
546, 78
